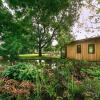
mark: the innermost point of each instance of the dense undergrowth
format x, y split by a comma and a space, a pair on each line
60, 80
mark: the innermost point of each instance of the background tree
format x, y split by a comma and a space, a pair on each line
63, 39
13, 34
36, 22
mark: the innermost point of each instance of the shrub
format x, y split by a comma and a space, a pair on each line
11, 89
92, 88
92, 71
21, 71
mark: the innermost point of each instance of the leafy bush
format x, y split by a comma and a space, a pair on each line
92, 71
92, 88
9, 89
21, 71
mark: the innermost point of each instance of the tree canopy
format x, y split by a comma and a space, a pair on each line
36, 23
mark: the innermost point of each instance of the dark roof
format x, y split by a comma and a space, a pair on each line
86, 39
82, 40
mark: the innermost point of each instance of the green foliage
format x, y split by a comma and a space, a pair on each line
5, 19
54, 82
63, 38
21, 71
29, 28
93, 70
4, 96
74, 89
92, 88
46, 78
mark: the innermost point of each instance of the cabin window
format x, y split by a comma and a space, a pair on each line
78, 48
91, 48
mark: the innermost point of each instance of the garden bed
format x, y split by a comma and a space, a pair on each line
68, 80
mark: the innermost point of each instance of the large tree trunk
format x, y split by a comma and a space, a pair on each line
40, 48
40, 43
40, 51
61, 52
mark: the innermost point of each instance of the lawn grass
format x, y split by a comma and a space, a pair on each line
31, 55
36, 56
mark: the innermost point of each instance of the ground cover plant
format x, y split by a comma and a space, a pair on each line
63, 80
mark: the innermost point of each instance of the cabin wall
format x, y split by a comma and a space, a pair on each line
98, 50
71, 51
84, 55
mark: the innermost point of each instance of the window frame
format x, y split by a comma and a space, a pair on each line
79, 50
93, 46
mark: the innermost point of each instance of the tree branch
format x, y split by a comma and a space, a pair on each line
54, 31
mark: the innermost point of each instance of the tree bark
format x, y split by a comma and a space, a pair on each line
40, 51
40, 48
40, 42
61, 55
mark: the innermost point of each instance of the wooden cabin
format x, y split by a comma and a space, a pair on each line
85, 49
